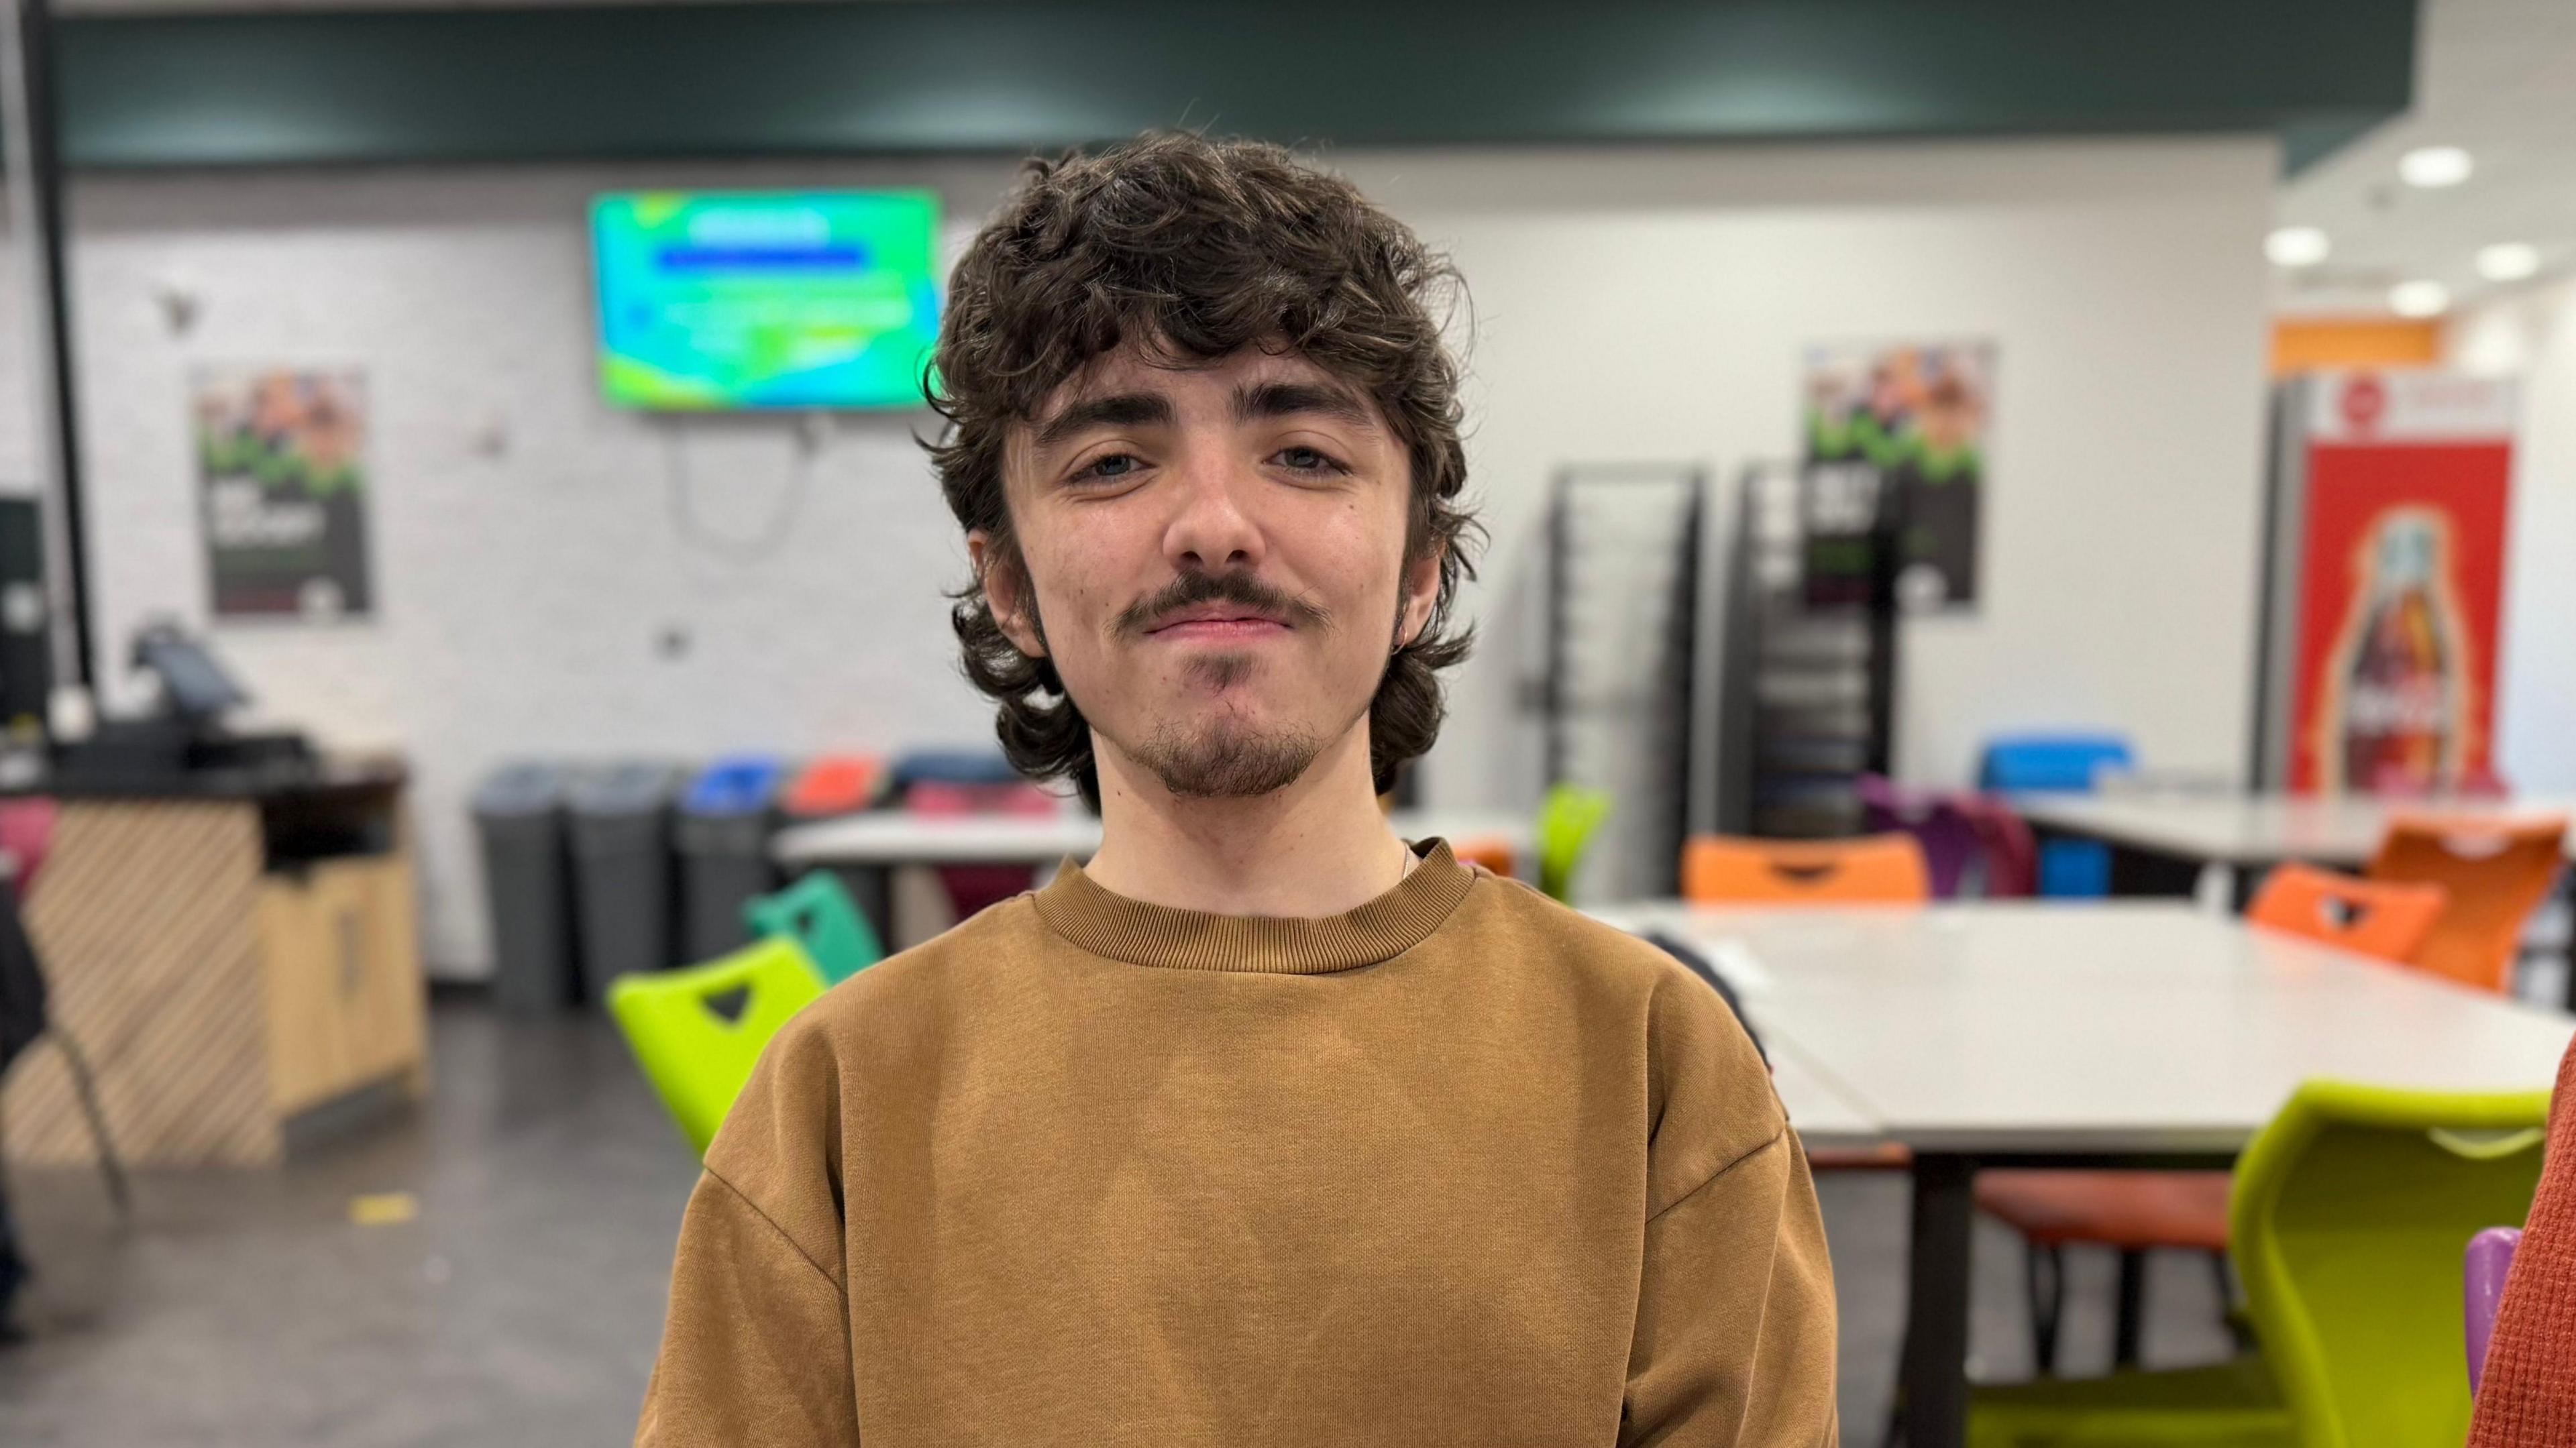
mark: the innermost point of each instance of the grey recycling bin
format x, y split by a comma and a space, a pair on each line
527, 887
725, 821
621, 852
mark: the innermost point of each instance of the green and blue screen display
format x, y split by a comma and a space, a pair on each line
766, 299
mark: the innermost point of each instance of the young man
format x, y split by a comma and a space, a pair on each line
1266, 1127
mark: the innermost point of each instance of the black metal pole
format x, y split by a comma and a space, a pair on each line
1887, 538
45, 191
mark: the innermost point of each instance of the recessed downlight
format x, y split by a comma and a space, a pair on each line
2431, 166
2296, 246
2419, 299
2508, 261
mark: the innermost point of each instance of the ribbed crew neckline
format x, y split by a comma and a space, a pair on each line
1112, 925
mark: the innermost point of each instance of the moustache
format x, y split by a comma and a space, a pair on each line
1196, 588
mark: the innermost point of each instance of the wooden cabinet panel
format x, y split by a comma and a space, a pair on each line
218, 986
344, 979
307, 1053
386, 1021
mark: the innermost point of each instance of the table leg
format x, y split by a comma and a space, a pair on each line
1936, 1303
2151, 873
2248, 879
2567, 952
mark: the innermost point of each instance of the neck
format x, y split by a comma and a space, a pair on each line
1318, 847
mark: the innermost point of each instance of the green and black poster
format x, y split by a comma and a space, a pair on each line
1914, 416
281, 465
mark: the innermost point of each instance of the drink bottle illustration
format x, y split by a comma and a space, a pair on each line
2395, 715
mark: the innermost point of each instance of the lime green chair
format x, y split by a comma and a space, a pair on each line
817, 912
698, 1031
1567, 820
2349, 1215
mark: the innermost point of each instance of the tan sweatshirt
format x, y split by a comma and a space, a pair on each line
1458, 1167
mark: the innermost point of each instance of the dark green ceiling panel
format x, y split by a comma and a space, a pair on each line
963, 75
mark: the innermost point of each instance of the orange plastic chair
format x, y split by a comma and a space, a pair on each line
2386, 918
2497, 871
1875, 869
1887, 869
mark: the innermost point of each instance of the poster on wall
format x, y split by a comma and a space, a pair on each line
1912, 415
2395, 525
282, 489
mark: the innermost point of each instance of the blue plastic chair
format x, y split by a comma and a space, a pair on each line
2070, 763
952, 766
2051, 761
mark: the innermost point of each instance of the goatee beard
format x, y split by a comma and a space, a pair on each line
1227, 761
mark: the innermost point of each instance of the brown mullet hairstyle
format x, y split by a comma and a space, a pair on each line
1193, 249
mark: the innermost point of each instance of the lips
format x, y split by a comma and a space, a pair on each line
1221, 630
1217, 622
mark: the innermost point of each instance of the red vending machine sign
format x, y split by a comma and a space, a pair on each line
2401, 580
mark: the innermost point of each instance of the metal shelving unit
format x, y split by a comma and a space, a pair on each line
1808, 700
1624, 572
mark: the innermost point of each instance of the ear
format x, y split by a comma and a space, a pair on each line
1421, 591
1005, 582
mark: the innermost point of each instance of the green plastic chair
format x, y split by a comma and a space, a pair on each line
817, 913
698, 1031
2349, 1215
1567, 820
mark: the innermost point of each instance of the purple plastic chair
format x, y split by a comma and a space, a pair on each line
2490, 1257
1949, 838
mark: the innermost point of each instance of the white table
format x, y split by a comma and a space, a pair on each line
2038, 1034
895, 837
2254, 831
1823, 1112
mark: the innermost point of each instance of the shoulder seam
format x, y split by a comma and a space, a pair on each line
772, 1223
1774, 1140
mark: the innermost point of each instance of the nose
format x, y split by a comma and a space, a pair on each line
1211, 528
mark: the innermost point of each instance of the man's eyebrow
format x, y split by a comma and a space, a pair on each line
1119, 409
1287, 399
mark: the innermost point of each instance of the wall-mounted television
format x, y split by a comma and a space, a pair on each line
741, 299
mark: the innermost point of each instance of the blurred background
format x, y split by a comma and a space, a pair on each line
474, 657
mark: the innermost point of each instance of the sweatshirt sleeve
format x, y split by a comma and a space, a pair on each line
1734, 1339
756, 1350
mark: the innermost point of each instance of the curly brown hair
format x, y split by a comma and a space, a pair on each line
1194, 249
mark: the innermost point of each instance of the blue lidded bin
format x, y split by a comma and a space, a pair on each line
725, 820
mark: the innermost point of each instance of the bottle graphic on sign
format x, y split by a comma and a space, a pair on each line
2395, 715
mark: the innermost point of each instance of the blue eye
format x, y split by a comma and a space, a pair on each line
1115, 465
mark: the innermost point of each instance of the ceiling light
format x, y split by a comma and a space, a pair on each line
2296, 246
2419, 299
2508, 261
2435, 166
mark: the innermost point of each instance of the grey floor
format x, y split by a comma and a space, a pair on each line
523, 1304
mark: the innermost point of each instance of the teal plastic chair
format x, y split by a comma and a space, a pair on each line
698, 1031
1567, 820
2349, 1215
817, 913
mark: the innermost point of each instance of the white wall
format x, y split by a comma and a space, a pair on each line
1628, 304
2533, 336
1646, 305
19, 445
